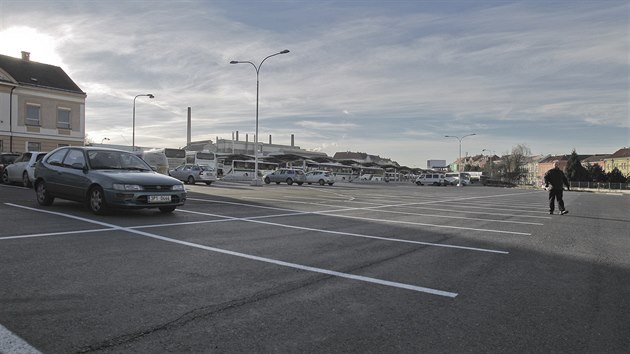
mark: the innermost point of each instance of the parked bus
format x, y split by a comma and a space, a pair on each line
205, 158
156, 158
175, 157
240, 169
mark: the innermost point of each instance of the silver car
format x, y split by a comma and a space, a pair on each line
288, 175
22, 170
321, 177
191, 173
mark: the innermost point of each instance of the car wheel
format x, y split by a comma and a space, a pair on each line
5, 177
209, 183
300, 183
321, 182
277, 182
26, 182
267, 180
289, 181
43, 197
96, 201
191, 180
330, 184
167, 209
418, 184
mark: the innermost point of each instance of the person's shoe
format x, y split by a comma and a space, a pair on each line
564, 212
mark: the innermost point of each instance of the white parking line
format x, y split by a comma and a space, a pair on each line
252, 219
52, 234
12, 344
252, 257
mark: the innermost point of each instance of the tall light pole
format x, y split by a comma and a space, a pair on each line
256, 181
133, 134
459, 167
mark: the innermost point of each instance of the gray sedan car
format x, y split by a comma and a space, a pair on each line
288, 175
104, 179
191, 174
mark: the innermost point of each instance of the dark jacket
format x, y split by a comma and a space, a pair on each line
556, 178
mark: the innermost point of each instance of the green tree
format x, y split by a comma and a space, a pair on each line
615, 176
596, 172
574, 170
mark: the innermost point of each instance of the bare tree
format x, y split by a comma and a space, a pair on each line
513, 166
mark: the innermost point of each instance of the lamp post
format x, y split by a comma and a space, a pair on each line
256, 181
459, 167
133, 134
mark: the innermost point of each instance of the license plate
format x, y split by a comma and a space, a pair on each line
159, 198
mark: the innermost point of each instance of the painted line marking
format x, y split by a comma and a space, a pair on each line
329, 213
11, 343
52, 234
344, 233
252, 257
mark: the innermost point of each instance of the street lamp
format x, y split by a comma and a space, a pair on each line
459, 167
133, 134
256, 181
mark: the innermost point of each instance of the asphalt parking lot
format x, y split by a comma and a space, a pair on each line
349, 268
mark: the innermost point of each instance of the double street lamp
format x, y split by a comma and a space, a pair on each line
133, 134
459, 167
256, 181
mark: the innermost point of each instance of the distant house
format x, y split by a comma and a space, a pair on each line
598, 159
620, 160
41, 108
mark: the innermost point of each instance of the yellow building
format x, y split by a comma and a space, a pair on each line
620, 160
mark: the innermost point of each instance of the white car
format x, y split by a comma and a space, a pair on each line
321, 177
452, 178
22, 170
191, 174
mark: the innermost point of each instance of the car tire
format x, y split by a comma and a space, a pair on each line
191, 180
26, 182
300, 183
321, 182
96, 201
267, 180
43, 197
5, 177
209, 183
418, 183
289, 181
167, 209
330, 184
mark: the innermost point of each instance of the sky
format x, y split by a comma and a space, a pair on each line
388, 78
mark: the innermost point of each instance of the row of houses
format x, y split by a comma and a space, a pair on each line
538, 165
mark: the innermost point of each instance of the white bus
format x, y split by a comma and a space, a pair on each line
245, 169
156, 158
205, 158
175, 157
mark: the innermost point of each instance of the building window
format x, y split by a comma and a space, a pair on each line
63, 118
30, 146
33, 114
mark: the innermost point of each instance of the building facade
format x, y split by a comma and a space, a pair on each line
620, 160
41, 108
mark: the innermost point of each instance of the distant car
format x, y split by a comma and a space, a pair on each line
288, 175
22, 169
321, 177
191, 174
436, 179
104, 179
7, 158
452, 178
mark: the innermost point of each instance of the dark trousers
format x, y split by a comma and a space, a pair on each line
557, 195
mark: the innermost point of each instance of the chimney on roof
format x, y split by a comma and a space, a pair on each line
26, 56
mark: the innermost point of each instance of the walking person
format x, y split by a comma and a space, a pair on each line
555, 180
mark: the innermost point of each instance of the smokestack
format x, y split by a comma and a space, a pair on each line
237, 135
269, 139
292, 140
26, 56
189, 126
246, 138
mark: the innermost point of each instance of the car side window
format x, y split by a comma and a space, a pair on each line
74, 159
57, 157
